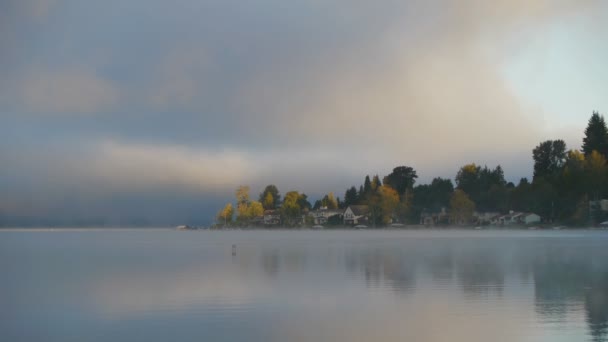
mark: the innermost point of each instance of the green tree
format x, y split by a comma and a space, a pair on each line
401, 179
405, 206
486, 187
461, 207
544, 199
549, 158
303, 202
367, 190
276, 197
596, 136
467, 178
573, 185
520, 197
350, 197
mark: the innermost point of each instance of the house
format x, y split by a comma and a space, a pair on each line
601, 205
518, 218
485, 218
530, 218
257, 221
272, 217
432, 219
323, 215
356, 214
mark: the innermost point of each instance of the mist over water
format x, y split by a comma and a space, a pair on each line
159, 285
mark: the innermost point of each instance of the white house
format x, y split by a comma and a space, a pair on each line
431, 219
530, 218
356, 214
518, 218
322, 215
272, 217
485, 217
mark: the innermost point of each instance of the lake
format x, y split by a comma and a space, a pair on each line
166, 285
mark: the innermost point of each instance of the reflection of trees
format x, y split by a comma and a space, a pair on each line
393, 267
480, 272
441, 264
270, 262
560, 277
565, 275
596, 307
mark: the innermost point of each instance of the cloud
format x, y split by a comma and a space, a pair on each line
149, 166
433, 91
180, 80
65, 91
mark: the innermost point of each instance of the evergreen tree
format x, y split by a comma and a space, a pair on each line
276, 197
376, 183
303, 202
596, 136
350, 197
361, 195
367, 186
401, 179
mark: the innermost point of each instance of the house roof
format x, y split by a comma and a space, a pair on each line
359, 209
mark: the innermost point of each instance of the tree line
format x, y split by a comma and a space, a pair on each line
566, 187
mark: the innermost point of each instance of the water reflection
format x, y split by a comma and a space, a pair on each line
339, 286
565, 274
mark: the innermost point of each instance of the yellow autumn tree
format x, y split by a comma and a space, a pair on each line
595, 165
255, 209
242, 204
225, 215
461, 207
382, 204
389, 201
268, 201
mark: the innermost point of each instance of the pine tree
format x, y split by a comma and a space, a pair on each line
596, 136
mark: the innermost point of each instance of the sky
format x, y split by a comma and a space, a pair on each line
124, 112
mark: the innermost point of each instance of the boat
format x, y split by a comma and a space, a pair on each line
185, 227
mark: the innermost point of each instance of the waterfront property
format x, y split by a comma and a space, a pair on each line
323, 215
356, 214
272, 218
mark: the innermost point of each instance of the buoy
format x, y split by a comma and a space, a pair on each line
233, 249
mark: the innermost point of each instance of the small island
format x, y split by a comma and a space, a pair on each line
568, 189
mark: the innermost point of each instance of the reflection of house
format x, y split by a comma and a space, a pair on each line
431, 219
272, 217
323, 215
356, 214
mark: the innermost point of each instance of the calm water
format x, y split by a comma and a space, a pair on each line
161, 285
